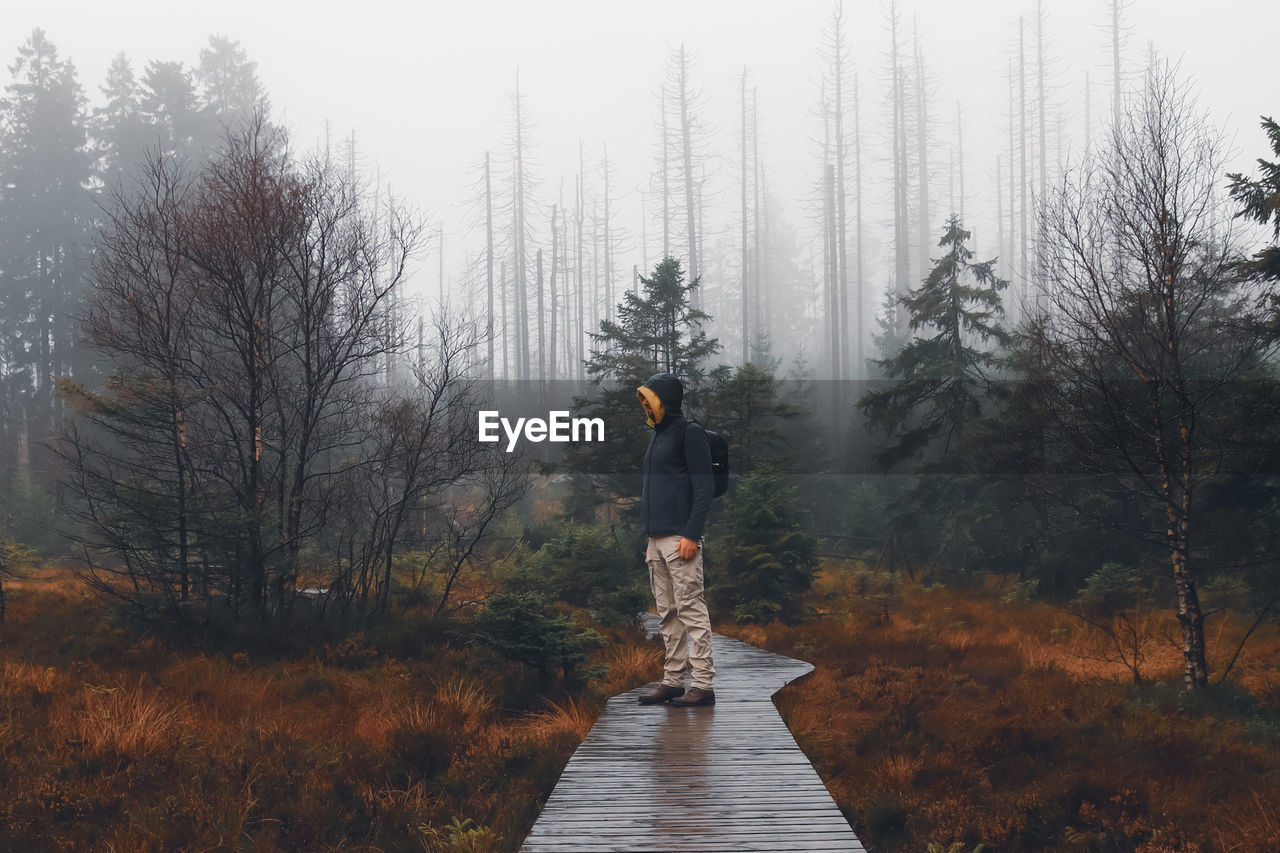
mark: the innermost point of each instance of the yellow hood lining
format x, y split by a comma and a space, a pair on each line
655, 405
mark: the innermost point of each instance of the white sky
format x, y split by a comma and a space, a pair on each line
425, 84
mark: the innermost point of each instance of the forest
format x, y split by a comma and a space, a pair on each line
1000, 458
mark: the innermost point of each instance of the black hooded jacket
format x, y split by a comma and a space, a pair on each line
678, 483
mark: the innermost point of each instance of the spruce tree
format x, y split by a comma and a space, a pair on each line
940, 379
657, 330
44, 213
229, 87
1260, 201
768, 557
120, 133
171, 110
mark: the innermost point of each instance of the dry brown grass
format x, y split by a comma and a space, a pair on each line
570, 720
964, 719
134, 720
629, 665
18, 678
111, 742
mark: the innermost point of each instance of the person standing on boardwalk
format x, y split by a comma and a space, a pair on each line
678, 487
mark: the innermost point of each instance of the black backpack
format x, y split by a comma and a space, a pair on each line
719, 458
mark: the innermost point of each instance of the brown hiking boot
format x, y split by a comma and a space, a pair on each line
658, 695
693, 697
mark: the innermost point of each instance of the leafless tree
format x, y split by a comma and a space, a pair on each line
426, 451
247, 313
1142, 337
682, 157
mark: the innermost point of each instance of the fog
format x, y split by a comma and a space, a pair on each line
426, 89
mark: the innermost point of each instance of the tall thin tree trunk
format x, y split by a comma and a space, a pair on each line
566, 326
960, 158
901, 249
488, 258
904, 241
746, 338
859, 368
842, 220
1116, 94
1176, 472
757, 260
1000, 210
180, 472
555, 259
666, 177
686, 153
542, 340
1088, 109
830, 341
1043, 115
833, 266
608, 241
1013, 154
579, 266
1042, 98
1022, 158
504, 295
764, 293
521, 304
923, 216
595, 264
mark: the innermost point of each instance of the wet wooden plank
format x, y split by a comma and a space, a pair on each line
725, 777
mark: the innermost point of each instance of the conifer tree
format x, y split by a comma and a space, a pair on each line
229, 85
1260, 201
45, 171
120, 134
656, 330
171, 110
941, 379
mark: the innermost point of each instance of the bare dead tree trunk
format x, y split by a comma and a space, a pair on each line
608, 239
960, 158
859, 369
685, 96
666, 176
579, 266
542, 340
1088, 113
1022, 158
833, 265
841, 305
1117, 95
1019, 285
746, 287
903, 244
1000, 208
555, 258
757, 254
488, 261
506, 361
922, 154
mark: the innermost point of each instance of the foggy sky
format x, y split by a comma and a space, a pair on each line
426, 85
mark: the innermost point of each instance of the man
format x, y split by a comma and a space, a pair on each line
678, 487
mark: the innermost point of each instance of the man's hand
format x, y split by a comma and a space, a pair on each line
688, 548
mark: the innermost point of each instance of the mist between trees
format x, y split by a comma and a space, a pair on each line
210, 350
255, 418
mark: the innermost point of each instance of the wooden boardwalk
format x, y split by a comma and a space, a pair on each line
724, 777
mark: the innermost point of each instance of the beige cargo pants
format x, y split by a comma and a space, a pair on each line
682, 611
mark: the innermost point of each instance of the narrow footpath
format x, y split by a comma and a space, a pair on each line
724, 777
